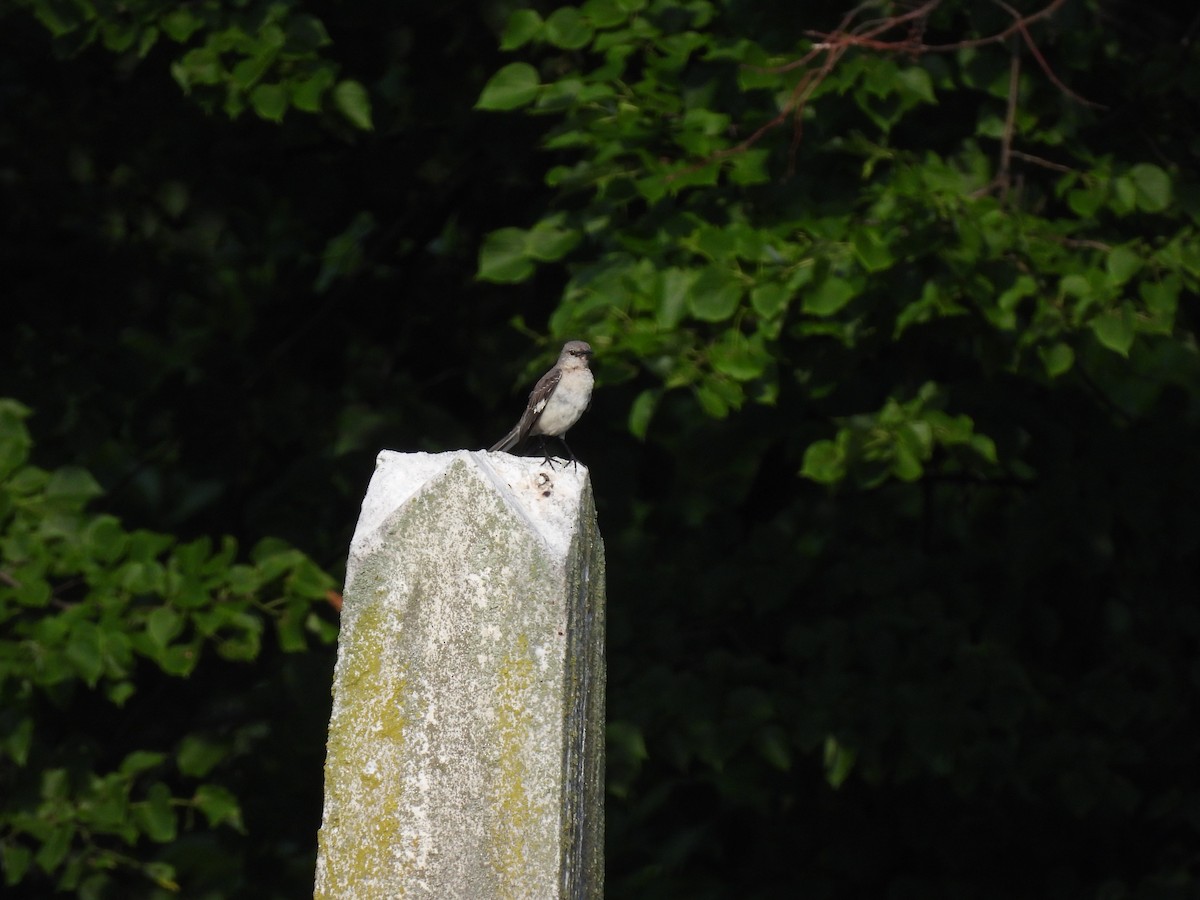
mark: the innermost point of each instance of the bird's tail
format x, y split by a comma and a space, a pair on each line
507, 442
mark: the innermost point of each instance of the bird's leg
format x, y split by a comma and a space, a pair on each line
570, 455
547, 459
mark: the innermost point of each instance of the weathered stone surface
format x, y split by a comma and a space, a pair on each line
465, 754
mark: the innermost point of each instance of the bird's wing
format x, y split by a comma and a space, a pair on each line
538, 398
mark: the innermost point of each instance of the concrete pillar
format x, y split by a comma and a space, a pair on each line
466, 745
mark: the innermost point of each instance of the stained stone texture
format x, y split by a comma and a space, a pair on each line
465, 755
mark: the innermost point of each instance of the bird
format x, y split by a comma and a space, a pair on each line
556, 402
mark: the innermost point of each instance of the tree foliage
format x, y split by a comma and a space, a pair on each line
748, 207
231, 56
894, 311
89, 611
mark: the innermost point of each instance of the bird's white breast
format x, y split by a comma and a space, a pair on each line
566, 404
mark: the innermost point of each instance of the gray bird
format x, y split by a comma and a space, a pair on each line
556, 401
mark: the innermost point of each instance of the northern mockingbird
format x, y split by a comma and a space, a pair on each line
556, 401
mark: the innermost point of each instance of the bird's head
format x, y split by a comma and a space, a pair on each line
577, 351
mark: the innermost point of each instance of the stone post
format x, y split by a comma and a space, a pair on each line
466, 744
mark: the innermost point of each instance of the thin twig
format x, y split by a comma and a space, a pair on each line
1010, 119
1018, 23
1039, 161
1022, 27
1080, 243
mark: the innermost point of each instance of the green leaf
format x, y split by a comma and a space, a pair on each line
1123, 198
715, 294
308, 580
199, 66
604, 13
504, 257
872, 251
712, 401
906, 464
196, 757
178, 659
273, 558
985, 447
14, 437
514, 86
18, 741
147, 546
73, 486
56, 784
559, 95
1087, 200
351, 99
83, 650
917, 435
568, 28
1114, 329
641, 412
828, 297
163, 625
250, 70
524, 25
715, 243
305, 32
674, 286
547, 243
140, 577
27, 481
162, 874
33, 592
307, 95
15, 860
1057, 358
1162, 301
626, 741
155, 815
219, 806
270, 101
1075, 285
140, 761
1152, 187
770, 299
749, 167
824, 462
119, 36
243, 579
344, 253
740, 357
60, 16
1122, 264
702, 131
289, 629
119, 692
916, 85
56, 842
839, 762
146, 41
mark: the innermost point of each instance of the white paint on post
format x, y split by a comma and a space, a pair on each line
466, 743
